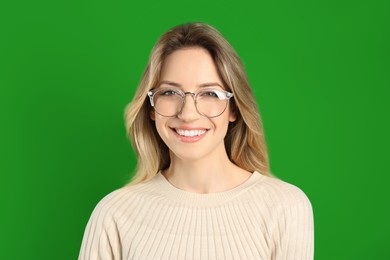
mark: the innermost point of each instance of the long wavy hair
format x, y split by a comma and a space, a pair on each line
244, 141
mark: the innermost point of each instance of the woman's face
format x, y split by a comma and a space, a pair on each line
189, 135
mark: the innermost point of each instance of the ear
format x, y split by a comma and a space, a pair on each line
232, 115
152, 114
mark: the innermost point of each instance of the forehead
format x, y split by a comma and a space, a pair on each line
190, 66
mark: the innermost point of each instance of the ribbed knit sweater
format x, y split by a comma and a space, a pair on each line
263, 218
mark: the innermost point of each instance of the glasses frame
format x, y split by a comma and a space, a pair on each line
194, 95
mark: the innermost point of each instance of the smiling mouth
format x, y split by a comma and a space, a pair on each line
190, 133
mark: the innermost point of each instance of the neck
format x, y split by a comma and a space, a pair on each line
205, 175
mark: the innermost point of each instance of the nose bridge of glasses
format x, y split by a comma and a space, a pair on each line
189, 93
191, 104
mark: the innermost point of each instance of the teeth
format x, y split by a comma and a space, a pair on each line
190, 133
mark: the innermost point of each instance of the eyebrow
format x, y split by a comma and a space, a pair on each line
165, 82
174, 84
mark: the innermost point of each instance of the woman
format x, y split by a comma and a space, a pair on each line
202, 189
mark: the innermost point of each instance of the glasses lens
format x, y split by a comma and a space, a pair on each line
167, 102
211, 103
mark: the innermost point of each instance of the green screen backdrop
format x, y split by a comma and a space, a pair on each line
319, 70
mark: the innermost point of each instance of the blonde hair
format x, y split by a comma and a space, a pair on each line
245, 143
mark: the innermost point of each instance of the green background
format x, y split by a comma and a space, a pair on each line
319, 70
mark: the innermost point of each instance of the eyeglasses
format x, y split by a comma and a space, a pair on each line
209, 102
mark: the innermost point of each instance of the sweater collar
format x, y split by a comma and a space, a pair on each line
203, 200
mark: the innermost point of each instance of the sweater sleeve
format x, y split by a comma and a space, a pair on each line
101, 237
294, 231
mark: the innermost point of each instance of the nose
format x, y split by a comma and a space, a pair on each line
189, 112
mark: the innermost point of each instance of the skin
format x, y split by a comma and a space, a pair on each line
199, 166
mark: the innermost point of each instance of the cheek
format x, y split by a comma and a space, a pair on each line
157, 123
221, 124
161, 128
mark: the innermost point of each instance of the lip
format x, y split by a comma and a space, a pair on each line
189, 139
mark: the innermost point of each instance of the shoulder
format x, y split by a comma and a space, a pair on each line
108, 220
287, 212
285, 207
277, 193
118, 202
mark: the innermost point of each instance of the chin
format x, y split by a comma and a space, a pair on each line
190, 156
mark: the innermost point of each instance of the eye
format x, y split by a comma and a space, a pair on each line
168, 92
213, 94
209, 94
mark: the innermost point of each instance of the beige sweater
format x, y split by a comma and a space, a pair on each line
263, 218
